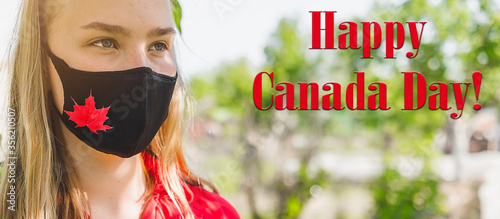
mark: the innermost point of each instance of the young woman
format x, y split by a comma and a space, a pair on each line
97, 105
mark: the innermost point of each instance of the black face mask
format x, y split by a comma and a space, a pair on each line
115, 112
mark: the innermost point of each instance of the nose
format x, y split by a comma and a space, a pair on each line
136, 58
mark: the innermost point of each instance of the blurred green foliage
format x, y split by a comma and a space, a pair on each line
177, 12
458, 40
399, 197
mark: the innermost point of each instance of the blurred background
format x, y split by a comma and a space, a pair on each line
339, 164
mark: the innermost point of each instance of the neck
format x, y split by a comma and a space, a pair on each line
106, 179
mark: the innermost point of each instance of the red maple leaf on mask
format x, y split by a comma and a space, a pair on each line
88, 115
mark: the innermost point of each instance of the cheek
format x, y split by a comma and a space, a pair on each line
56, 87
167, 66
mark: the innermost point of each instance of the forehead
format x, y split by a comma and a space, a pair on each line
136, 15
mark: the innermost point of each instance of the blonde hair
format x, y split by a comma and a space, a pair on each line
46, 181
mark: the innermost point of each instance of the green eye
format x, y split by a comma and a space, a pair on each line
158, 47
104, 43
107, 43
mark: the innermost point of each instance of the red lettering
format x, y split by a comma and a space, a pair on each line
415, 38
408, 90
360, 94
459, 98
314, 96
372, 99
316, 30
443, 96
335, 94
377, 38
353, 36
257, 90
289, 96
389, 44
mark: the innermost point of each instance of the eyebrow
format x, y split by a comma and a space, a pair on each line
107, 28
156, 32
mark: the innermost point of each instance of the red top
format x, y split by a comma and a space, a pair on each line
204, 204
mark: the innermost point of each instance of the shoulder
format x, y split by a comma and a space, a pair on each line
204, 204
208, 205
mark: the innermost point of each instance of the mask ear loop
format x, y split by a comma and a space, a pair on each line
150, 152
53, 57
46, 48
53, 106
52, 103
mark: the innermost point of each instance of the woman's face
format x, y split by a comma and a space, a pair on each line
111, 35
